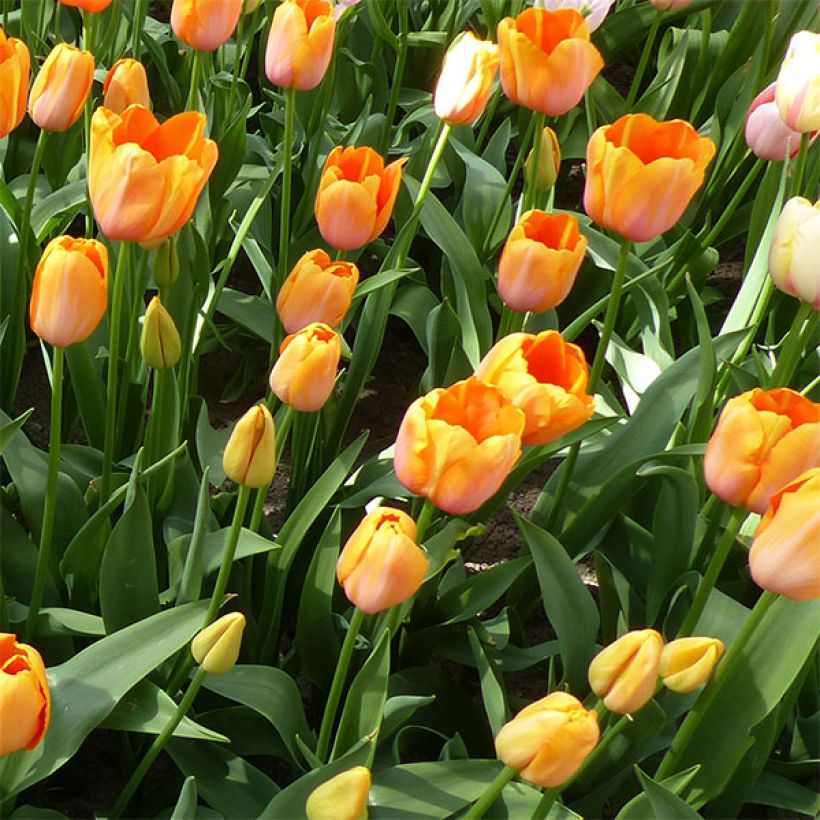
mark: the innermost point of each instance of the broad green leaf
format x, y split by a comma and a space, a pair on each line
398, 710
8, 430
18, 562
777, 791
185, 807
641, 807
492, 684
254, 313
665, 803
210, 445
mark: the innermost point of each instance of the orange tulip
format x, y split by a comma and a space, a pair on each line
25, 700
687, 663
305, 371
466, 80
59, 93
205, 24
93, 6
456, 445
381, 565
547, 60
70, 290
544, 376
540, 261
642, 174
785, 554
15, 64
356, 196
250, 454
126, 84
300, 43
145, 178
763, 440
317, 290
548, 740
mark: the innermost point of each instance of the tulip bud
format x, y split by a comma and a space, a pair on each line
159, 344
688, 662
216, 647
166, 263
671, 5
126, 84
59, 93
343, 797
204, 24
381, 565
305, 372
793, 263
15, 66
548, 740
25, 700
626, 672
549, 162
250, 454
766, 134
798, 83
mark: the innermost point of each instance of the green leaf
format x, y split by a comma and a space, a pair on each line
665, 803
185, 807
254, 313
492, 684
777, 791
7, 431
210, 444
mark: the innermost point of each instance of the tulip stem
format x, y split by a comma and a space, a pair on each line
139, 19
50, 504
287, 173
547, 801
335, 695
491, 794
193, 92
395, 89
793, 345
158, 745
800, 164
423, 520
642, 63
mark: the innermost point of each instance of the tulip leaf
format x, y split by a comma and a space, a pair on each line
773, 790
254, 313
210, 444
185, 807
8, 430
664, 802
492, 683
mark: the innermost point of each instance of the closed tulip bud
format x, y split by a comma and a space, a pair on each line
594, 11
126, 84
25, 700
205, 24
547, 59
59, 93
145, 178
766, 134
785, 554
159, 344
15, 65
216, 648
642, 174
543, 177
343, 797
456, 445
763, 440
546, 378
626, 672
548, 740
356, 196
94, 6
317, 290
466, 80
540, 260
798, 83
70, 291
305, 372
166, 263
300, 43
793, 263
671, 5
250, 454
381, 565
687, 663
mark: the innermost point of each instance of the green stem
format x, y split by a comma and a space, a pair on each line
57, 22
332, 705
642, 63
423, 520
546, 803
395, 89
50, 504
287, 171
158, 745
512, 321
800, 163
729, 210
489, 114
192, 104
793, 345
139, 19
491, 794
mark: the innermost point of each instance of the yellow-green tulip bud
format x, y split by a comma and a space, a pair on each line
549, 162
343, 797
166, 263
216, 647
688, 662
160, 345
250, 454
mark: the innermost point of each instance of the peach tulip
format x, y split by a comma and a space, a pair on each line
205, 24
250, 454
766, 134
126, 84
466, 80
798, 83
15, 65
688, 663
62, 86
793, 262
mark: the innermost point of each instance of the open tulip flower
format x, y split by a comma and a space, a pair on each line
15, 67
793, 252
798, 83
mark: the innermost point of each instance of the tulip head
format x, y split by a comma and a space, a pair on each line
624, 674
763, 440
593, 11
543, 177
145, 178
687, 663
94, 6
785, 554
205, 24
250, 454
356, 196
456, 445
793, 253
166, 263
766, 134
671, 5
546, 378
343, 797
70, 290
216, 648
642, 174
548, 740
159, 344
798, 83
25, 700
317, 290
381, 565
305, 372
126, 84
59, 93
540, 260
15, 67
466, 80
547, 59
300, 43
